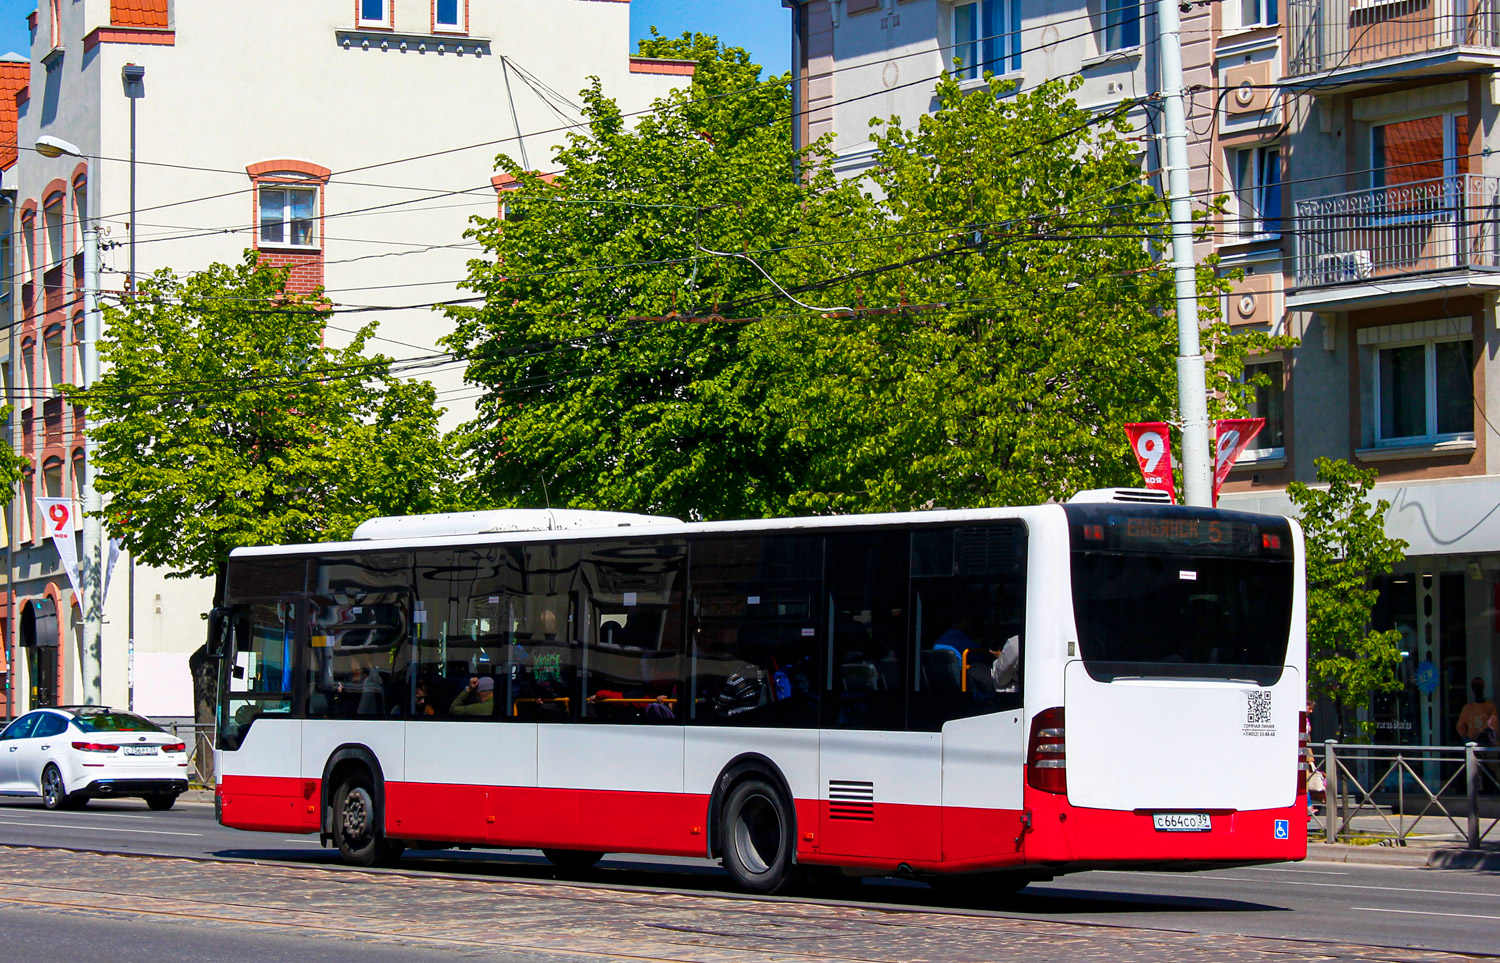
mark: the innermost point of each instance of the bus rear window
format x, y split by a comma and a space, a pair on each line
1153, 615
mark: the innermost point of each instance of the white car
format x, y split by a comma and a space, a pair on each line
71, 754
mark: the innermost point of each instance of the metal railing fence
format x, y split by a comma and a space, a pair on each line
199, 738
1327, 35
1390, 789
1438, 224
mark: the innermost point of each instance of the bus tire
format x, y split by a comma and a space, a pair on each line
758, 832
356, 829
572, 860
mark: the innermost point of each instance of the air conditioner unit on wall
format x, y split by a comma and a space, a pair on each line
1345, 266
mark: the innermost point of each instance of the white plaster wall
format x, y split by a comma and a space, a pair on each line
271, 81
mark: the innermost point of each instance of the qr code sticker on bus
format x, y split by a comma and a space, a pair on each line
1258, 713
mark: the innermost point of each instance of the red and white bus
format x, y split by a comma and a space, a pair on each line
1002, 695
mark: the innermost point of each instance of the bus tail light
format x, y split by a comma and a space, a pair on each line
95, 747
1302, 753
1046, 759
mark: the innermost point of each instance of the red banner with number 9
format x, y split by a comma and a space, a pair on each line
1151, 441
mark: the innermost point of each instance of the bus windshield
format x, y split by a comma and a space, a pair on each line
1204, 595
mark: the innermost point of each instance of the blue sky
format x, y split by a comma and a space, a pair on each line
761, 26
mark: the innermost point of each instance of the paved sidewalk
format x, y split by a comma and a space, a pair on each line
560, 923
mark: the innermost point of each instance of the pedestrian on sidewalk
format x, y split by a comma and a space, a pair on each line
1479, 724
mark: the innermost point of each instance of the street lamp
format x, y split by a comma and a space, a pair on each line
134, 78
92, 569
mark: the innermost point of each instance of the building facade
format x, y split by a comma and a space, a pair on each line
1351, 140
348, 140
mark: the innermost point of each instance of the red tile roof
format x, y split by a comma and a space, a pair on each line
14, 75
138, 13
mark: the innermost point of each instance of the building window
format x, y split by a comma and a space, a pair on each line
52, 477
1257, 191
53, 341
26, 377
1122, 24
1423, 149
7, 265
28, 234
288, 215
987, 37
28, 495
448, 15
1424, 392
78, 457
1260, 13
52, 214
1271, 442
55, 25
374, 13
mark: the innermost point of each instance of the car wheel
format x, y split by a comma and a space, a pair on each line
355, 826
757, 834
54, 793
162, 801
572, 860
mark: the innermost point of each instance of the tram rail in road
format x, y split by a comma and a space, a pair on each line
1332, 904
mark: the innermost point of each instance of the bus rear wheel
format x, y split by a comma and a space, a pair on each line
356, 830
572, 860
758, 835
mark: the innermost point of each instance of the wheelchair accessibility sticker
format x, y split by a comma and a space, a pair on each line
1283, 829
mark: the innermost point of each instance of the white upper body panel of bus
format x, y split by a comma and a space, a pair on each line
501, 520
609, 525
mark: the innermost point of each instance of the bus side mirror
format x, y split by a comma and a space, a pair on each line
218, 632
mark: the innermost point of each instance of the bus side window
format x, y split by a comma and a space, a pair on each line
757, 630
867, 668
968, 591
633, 667
359, 621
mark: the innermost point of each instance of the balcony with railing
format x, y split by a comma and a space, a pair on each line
1398, 241
1375, 41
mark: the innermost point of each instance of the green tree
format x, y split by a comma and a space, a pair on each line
222, 420
1347, 547
972, 331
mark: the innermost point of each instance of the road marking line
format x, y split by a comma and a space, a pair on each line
1462, 916
111, 829
24, 814
1289, 882
1299, 872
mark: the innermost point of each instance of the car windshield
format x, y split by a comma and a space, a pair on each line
106, 721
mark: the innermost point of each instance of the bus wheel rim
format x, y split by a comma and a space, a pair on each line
757, 834
356, 814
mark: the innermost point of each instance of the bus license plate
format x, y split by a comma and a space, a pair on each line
140, 750
1181, 822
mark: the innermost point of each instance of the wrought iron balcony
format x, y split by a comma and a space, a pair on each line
1380, 36
1446, 224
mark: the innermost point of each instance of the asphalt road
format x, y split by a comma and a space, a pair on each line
1443, 910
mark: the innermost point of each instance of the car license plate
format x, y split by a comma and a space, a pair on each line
140, 750
1180, 822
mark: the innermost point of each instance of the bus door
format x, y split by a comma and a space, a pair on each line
880, 788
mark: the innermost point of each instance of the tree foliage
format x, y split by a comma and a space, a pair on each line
679, 322
222, 420
1347, 547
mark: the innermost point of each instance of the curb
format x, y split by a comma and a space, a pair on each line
1460, 859
1371, 855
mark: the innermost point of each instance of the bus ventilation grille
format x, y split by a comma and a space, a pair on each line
851, 800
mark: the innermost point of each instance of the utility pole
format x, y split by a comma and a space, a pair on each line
1192, 387
93, 528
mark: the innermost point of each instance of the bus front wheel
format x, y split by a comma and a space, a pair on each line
356, 830
758, 834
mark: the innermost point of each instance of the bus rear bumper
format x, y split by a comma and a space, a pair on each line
1062, 833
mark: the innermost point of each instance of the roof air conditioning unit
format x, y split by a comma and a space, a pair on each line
1345, 266
1134, 496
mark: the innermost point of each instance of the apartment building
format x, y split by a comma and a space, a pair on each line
1350, 140
349, 140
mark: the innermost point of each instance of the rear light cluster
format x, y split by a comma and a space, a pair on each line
174, 747
1301, 753
95, 747
1046, 760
